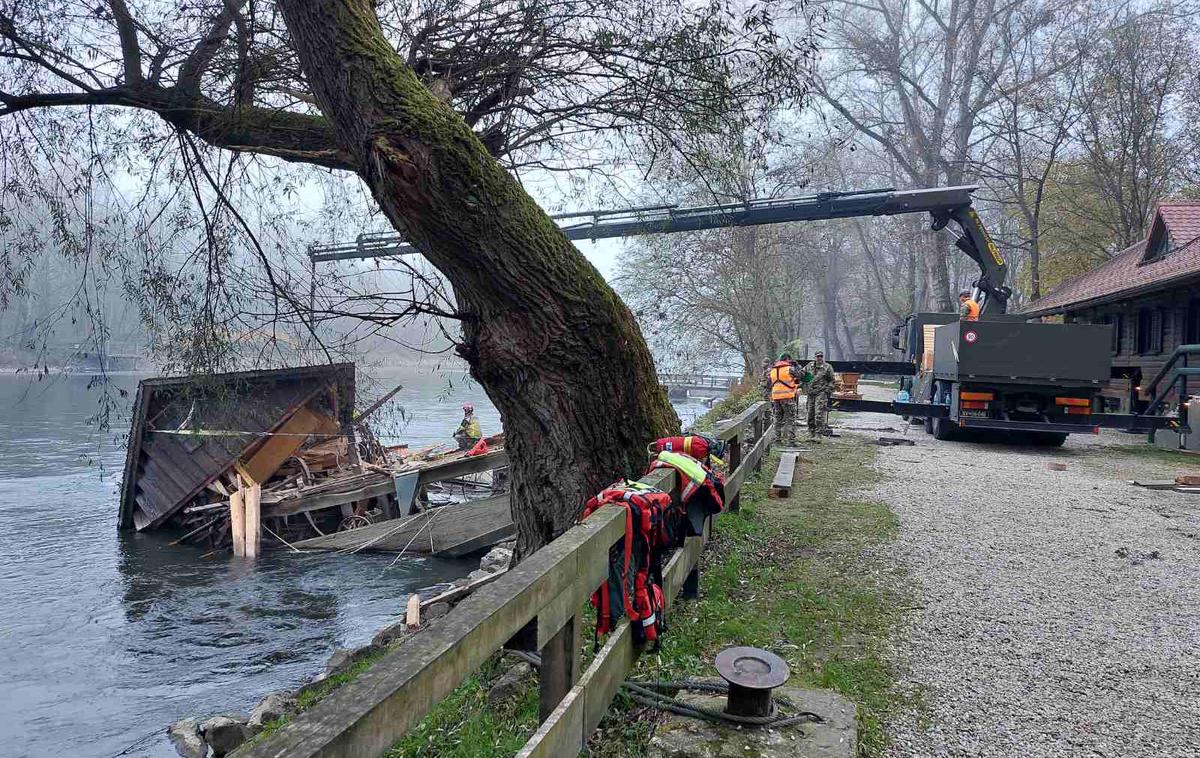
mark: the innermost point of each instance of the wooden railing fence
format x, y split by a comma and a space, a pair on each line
535, 606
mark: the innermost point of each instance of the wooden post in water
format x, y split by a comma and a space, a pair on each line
253, 519
237, 520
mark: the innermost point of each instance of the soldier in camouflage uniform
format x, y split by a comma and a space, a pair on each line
819, 381
781, 385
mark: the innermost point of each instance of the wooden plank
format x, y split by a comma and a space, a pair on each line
462, 467
478, 542
448, 525
319, 501
366, 716
284, 443
781, 485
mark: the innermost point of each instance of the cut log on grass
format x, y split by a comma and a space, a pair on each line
781, 485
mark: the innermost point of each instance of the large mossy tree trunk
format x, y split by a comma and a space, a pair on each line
558, 353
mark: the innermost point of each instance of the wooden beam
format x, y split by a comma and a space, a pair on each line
283, 444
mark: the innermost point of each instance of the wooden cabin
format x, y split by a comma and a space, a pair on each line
188, 431
1149, 293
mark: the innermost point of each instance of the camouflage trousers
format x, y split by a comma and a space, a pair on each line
784, 412
818, 414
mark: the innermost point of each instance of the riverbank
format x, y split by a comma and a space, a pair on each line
797, 576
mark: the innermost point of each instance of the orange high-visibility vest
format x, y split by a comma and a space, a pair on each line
783, 384
972, 310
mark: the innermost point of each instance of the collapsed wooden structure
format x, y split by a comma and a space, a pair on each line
224, 457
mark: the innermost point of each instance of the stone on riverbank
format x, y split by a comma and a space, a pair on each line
497, 559
835, 737
272, 707
511, 683
225, 733
185, 736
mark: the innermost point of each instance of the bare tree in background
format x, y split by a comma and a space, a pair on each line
914, 78
418, 107
1134, 146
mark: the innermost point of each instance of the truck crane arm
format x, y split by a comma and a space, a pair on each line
944, 204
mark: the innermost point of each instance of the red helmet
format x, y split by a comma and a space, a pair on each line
468, 408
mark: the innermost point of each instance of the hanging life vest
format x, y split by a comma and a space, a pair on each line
783, 384
702, 492
972, 307
634, 585
695, 445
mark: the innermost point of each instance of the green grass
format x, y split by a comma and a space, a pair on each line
463, 725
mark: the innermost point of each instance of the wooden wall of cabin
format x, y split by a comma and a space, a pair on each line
1179, 309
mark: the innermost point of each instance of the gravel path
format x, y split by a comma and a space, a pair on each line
1057, 612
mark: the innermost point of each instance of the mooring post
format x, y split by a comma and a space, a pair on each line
560, 668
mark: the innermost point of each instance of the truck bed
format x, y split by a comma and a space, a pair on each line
1015, 352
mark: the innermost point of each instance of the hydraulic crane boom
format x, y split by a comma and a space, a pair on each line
944, 204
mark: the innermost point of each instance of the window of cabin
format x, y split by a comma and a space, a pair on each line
1158, 247
1117, 322
1191, 327
1158, 329
1149, 330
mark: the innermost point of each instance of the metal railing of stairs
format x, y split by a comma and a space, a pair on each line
1176, 378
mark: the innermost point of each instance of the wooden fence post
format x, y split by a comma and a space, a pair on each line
759, 431
735, 460
560, 668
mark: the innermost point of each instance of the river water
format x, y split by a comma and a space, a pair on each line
106, 637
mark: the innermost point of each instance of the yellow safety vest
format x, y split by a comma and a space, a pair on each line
783, 384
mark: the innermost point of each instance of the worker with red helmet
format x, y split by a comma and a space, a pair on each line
468, 432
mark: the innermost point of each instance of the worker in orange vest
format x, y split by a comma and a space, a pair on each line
968, 308
782, 382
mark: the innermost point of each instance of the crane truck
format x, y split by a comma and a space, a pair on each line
999, 373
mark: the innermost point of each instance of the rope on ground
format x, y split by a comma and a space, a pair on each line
661, 695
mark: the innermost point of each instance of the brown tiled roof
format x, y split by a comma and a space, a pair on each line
1125, 273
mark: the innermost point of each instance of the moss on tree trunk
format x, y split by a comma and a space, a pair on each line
558, 353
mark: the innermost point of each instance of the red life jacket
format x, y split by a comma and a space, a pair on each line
634, 585
694, 445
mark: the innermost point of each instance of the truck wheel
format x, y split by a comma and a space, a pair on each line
1048, 439
943, 429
